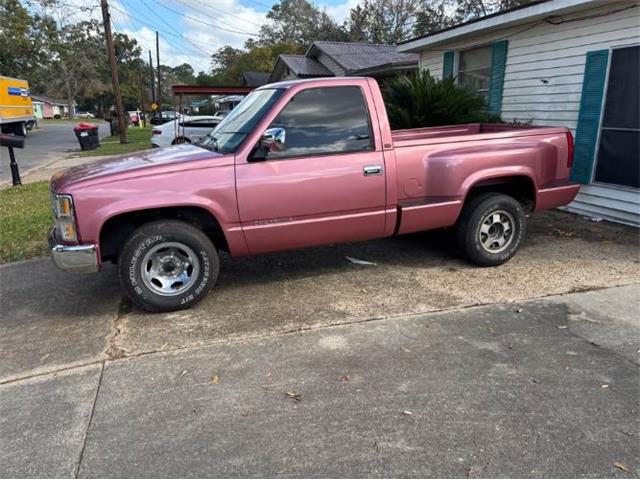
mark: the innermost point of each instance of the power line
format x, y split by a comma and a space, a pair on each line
223, 11
241, 32
155, 27
172, 28
268, 7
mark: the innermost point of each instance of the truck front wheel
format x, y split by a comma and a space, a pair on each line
168, 265
491, 228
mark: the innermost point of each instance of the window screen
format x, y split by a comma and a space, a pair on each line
323, 121
619, 151
474, 69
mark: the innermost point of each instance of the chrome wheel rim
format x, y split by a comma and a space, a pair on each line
169, 268
496, 231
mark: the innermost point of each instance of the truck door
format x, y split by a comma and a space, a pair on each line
325, 185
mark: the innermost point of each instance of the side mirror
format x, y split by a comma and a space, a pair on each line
273, 140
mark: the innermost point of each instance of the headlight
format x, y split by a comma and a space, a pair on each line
65, 217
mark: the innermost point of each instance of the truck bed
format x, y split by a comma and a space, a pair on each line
467, 132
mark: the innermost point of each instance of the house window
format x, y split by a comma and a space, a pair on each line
474, 69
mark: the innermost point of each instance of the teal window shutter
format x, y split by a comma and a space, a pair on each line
447, 64
595, 73
496, 75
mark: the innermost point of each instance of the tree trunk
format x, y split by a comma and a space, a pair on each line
70, 96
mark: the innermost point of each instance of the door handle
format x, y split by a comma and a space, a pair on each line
372, 170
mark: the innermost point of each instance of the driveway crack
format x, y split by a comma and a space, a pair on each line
113, 351
86, 433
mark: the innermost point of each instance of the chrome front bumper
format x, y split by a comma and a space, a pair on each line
74, 258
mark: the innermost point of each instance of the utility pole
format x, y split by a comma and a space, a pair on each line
122, 127
159, 76
153, 83
141, 90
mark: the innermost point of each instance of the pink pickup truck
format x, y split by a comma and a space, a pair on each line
297, 164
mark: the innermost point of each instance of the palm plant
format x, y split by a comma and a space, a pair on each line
420, 100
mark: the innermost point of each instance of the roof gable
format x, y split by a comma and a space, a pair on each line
361, 56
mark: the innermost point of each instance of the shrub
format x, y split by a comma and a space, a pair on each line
420, 100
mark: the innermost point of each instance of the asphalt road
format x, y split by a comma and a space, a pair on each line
43, 145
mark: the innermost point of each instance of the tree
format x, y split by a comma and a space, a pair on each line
228, 63
432, 16
298, 22
420, 100
358, 25
24, 43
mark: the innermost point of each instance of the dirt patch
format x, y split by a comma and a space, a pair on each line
413, 274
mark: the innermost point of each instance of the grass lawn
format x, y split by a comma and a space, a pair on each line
139, 139
25, 219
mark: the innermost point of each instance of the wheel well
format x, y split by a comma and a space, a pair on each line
116, 230
519, 187
176, 141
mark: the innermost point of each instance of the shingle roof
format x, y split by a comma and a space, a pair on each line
304, 66
52, 101
255, 79
361, 56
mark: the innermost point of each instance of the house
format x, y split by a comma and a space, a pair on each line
574, 63
37, 108
255, 79
342, 59
51, 107
227, 102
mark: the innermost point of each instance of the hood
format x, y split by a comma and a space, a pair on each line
138, 163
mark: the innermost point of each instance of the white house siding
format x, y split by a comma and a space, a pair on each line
556, 54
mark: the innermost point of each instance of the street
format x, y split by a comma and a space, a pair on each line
304, 364
54, 139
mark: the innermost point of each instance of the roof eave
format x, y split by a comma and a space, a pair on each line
496, 21
386, 68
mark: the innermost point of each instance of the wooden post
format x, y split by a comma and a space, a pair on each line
122, 126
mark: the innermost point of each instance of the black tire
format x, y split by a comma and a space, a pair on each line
155, 239
478, 245
21, 129
180, 141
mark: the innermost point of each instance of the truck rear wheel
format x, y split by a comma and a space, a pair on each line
168, 265
491, 228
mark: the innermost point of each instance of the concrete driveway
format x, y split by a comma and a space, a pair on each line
54, 139
518, 387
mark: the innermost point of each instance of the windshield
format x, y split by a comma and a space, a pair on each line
234, 128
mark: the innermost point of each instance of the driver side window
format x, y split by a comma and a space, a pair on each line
321, 121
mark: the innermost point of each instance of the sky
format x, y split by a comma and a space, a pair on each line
191, 30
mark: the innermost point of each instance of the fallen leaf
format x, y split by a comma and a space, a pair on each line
295, 396
345, 378
622, 466
473, 472
215, 379
357, 261
407, 412
491, 330
563, 233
